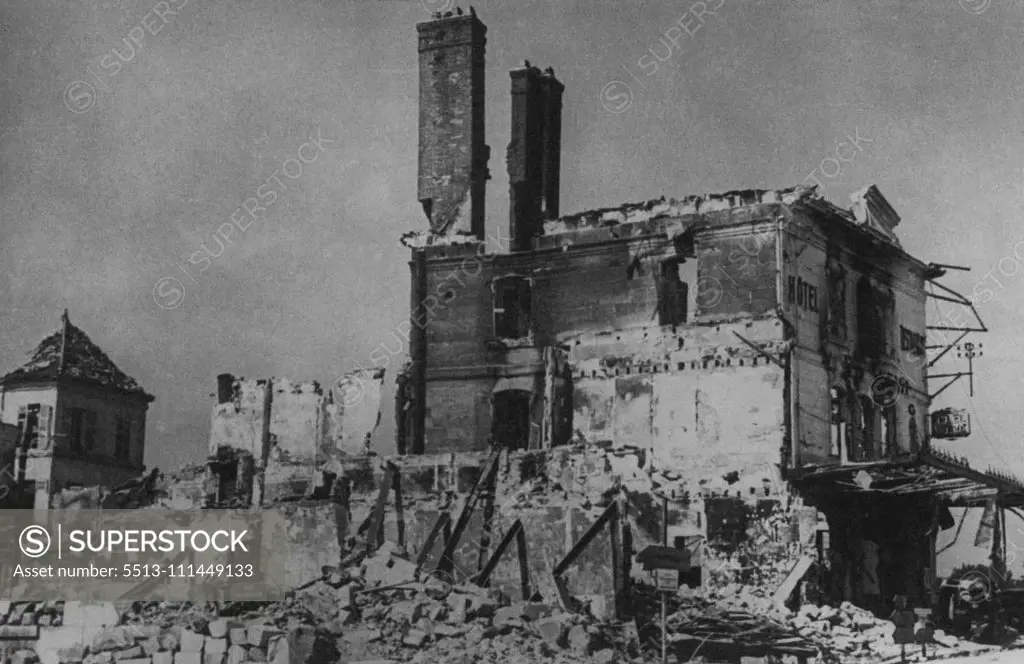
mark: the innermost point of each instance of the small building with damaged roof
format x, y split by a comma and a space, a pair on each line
80, 420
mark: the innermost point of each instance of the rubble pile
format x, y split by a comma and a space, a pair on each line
700, 625
379, 609
384, 609
219, 640
854, 633
29, 614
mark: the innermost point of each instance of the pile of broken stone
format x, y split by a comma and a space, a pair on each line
855, 633
384, 610
379, 609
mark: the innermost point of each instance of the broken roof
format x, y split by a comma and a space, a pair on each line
931, 471
69, 353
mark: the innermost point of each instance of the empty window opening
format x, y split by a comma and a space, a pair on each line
80, 429
512, 300
839, 445
510, 426
673, 293
870, 334
122, 439
867, 429
889, 447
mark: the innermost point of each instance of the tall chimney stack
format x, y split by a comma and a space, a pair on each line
453, 157
534, 153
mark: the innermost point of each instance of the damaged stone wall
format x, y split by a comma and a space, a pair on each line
558, 494
827, 266
699, 399
273, 438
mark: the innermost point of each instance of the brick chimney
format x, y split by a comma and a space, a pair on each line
534, 154
452, 155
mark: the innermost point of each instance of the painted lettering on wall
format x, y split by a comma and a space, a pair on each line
912, 341
803, 294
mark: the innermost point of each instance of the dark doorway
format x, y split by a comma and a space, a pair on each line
510, 425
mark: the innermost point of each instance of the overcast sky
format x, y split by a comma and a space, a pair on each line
109, 180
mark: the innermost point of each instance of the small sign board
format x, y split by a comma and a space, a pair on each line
663, 557
667, 579
951, 423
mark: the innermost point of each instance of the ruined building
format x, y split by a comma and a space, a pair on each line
742, 375
77, 420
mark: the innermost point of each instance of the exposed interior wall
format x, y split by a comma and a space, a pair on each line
273, 439
700, 400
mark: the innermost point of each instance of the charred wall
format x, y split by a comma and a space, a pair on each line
860, 379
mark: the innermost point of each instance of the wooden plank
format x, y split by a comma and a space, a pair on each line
377, 519
524, 564
443, 520
447, 561
492, 562
585, 540
396, 487
618, 579
792, 580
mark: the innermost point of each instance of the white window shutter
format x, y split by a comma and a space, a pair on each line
45, 427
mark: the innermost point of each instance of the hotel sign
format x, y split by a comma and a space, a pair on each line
951, 423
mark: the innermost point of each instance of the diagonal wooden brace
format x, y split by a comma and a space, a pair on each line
519, 533
443, 521
610, 517
375, 535
447, 562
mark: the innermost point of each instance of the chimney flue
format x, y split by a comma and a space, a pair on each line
225, 386
453, 157
534, 153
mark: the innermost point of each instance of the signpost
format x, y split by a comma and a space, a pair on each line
666, 563
668, 579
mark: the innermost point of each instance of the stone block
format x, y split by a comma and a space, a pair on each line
170, 639
552, 631
105, 657
344, 596
260, 635
113, 638
188, 658
301, 645
214, 657
213, 645
71, 655
191, 641
19, 631
163, 657
220, 627
135, 652
237, 636
25, 656
237, 655
581, 641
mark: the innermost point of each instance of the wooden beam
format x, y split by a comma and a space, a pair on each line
585, 541
518, 533
447, 562
444, 519
376, 531
524, 564
618, 582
